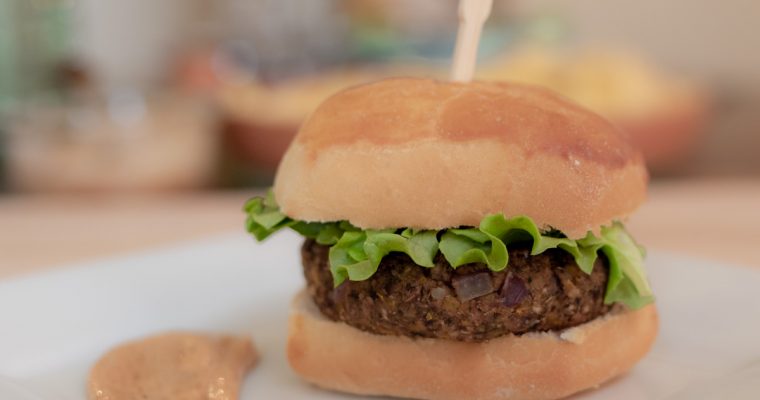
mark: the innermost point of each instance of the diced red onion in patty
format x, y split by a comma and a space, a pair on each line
514, 291
472, 286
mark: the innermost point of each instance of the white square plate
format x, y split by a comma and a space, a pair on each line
53, 326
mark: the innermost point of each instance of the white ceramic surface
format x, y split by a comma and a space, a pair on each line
53, 326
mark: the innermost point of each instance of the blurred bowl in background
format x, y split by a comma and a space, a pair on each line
125, 143
663, 115
259, 120
668, 137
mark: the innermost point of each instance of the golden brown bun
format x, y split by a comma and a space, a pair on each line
430, 154
533, 366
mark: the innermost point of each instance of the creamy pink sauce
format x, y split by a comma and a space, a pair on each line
174, 366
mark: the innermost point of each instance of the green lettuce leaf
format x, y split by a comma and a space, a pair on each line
465, 246
627, 281
355, 254
264, 218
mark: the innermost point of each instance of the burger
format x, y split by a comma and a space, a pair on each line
462, 241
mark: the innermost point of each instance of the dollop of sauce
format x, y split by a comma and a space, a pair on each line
174, 366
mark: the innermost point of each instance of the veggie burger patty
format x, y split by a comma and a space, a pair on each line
470, 303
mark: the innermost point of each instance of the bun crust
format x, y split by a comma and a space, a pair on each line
534, 366
430, 154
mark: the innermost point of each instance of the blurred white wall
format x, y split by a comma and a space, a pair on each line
131, 40
128, 42
717, 40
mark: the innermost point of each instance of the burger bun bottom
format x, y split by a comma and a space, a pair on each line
546, 365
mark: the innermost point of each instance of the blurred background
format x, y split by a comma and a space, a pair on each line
192, 98
139, 95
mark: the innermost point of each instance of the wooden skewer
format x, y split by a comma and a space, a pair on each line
472, 16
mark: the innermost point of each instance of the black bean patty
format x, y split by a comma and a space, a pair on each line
470, 303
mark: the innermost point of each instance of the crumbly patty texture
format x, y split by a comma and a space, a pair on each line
470, 303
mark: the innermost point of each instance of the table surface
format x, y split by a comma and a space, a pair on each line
718, 220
